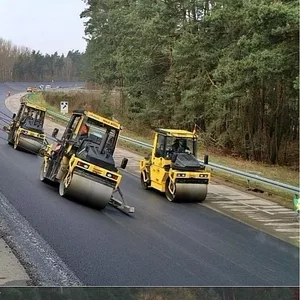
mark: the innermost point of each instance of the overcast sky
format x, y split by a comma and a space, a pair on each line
43, 25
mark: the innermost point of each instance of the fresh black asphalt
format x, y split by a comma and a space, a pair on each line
161, 244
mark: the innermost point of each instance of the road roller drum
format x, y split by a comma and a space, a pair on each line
29, 144
187, 192
172, 167
85, 190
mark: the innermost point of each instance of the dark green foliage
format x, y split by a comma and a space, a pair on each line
34, 66
22, 64
229, 66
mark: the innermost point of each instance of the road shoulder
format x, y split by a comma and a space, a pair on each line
12, 273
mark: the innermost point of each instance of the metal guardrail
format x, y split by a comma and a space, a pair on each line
63, 89
245, 175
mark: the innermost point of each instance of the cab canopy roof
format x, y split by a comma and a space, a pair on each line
34, 106
175, 132
98, 118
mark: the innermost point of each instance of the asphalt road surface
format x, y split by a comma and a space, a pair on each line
162, 244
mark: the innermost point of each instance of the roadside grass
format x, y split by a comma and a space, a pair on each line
37, 98
273, 172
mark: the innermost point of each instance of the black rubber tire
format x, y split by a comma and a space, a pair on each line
169, 196
10, 139
145, 185
15, 146
42, 175
62, 189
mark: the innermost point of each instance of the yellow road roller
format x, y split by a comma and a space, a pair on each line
26, 130
82, 161
172, 167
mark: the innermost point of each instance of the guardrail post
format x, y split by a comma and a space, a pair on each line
205, 159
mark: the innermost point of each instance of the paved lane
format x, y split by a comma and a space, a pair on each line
161, 244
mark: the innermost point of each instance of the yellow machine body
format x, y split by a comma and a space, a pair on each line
159, 170
26, 129
82, 163
68, 166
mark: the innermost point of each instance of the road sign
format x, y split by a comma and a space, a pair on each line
64, 107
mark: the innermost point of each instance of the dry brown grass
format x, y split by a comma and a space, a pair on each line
96, 101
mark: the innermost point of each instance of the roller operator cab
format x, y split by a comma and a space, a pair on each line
82, 161
26, 130
172, 167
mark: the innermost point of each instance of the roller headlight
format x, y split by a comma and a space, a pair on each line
112, 176
83, 165
180, 175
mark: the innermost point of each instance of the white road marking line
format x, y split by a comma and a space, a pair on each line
282, 224
262, 209
242, 198
279, 209
269, 220
229, 195
263, 206
287, 229
269, 206
225, 202
243, 210
244, 206
252, 214
258, 201
231, 206
294, 237
267, 212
